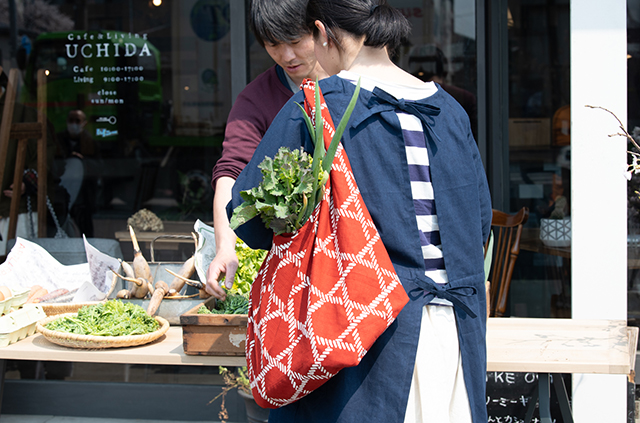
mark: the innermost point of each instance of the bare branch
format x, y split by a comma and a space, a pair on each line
624, 131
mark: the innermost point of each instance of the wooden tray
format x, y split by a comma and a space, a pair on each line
213, 334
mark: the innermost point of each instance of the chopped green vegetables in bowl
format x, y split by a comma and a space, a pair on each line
111, 318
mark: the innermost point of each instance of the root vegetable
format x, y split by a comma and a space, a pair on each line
141, 285
185, 272
123, 294
36, 295
127, 269
68, 297
140, 266
128, 272
51, 295
196, 284
33, 290
161, 289
142, 289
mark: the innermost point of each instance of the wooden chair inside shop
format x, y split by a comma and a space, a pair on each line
21, 133
507, 230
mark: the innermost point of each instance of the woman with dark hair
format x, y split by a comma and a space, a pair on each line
419, 172
279, 27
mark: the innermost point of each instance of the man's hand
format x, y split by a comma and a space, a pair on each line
222, 269
9, 192
225, 263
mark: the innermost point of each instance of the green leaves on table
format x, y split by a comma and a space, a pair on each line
111, 318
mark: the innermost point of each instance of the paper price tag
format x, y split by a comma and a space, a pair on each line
88, 292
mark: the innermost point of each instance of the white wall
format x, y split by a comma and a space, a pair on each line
599, 249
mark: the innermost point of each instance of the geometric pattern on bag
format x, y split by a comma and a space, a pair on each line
324, 293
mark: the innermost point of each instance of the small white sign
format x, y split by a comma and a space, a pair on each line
88, 292
101, 267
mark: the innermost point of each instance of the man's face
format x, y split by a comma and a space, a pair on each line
297, 58
75, 123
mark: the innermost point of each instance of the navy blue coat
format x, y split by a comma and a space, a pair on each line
377, 389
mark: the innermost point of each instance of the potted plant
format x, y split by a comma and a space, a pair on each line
238, 380
555, 231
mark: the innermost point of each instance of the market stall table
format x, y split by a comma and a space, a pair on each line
167, 350
542, 346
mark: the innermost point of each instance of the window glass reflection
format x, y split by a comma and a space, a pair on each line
540, 155
633, 127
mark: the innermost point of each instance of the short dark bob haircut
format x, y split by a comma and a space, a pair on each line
381, 24
278, 21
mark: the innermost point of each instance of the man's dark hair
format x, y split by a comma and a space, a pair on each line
278, 21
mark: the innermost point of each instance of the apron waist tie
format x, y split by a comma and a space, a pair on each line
455, 294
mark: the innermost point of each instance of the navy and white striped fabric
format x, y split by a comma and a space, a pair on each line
419, 173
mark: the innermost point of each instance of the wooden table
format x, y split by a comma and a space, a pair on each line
548, 346
540, 346
165, 351
560, 346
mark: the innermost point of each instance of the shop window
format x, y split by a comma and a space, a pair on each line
633, 126
153, 80
540, 152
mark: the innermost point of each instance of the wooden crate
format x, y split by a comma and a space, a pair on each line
213, 334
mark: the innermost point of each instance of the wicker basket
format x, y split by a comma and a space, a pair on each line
54, 309
97, 342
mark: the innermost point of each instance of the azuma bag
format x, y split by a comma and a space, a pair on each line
324, 293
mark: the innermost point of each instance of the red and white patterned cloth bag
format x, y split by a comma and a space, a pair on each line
324, 293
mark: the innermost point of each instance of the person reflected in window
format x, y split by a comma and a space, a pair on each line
279, 27
27, 223
75, 147
76, 140
419, 171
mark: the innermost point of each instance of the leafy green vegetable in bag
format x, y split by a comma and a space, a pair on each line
284, 192
111, 318
293, 182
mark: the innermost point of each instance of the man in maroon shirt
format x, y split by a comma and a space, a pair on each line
279, 27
